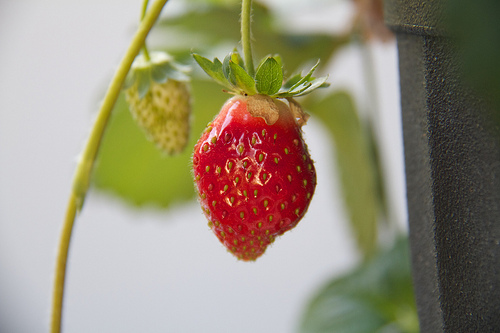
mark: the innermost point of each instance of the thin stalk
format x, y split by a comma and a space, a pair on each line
246, 35
145, 50
85, 165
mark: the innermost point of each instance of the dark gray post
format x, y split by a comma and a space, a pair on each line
452, 157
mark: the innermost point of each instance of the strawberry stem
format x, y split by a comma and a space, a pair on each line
85, 165
145, 50
246, 35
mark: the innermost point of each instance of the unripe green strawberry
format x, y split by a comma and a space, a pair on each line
159, 101
163, 114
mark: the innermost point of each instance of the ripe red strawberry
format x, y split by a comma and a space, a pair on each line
253, 173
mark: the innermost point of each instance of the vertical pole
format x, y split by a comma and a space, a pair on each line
452, 158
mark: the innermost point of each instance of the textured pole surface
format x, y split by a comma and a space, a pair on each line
452, 158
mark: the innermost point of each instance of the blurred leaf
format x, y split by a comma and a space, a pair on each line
208, 27
375, 297
356, 166
379, 175
475, 26
131, 167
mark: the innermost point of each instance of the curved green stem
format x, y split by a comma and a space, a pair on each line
143, 13
246, 35
144, 9
85, 165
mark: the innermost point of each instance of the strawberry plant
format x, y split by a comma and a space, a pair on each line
253, 174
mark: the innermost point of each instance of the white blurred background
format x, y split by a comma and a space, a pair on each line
146, 270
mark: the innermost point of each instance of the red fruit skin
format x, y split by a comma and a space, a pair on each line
255, 181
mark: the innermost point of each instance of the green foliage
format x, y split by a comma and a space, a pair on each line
213, 69
218, 25
130, 166
159, 68
269, 76
375, 297
268, 79
356, 165
475, 26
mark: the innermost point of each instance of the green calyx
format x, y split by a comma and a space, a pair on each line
268, 78
159, 68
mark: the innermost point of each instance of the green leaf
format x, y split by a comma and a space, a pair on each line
311, 86
292, 81
226, 68
167, 70
143, 79
237, 59
213, 69
132, 168
475, 28
376, 297
241, 79
306, 78
357, 168
269, 76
